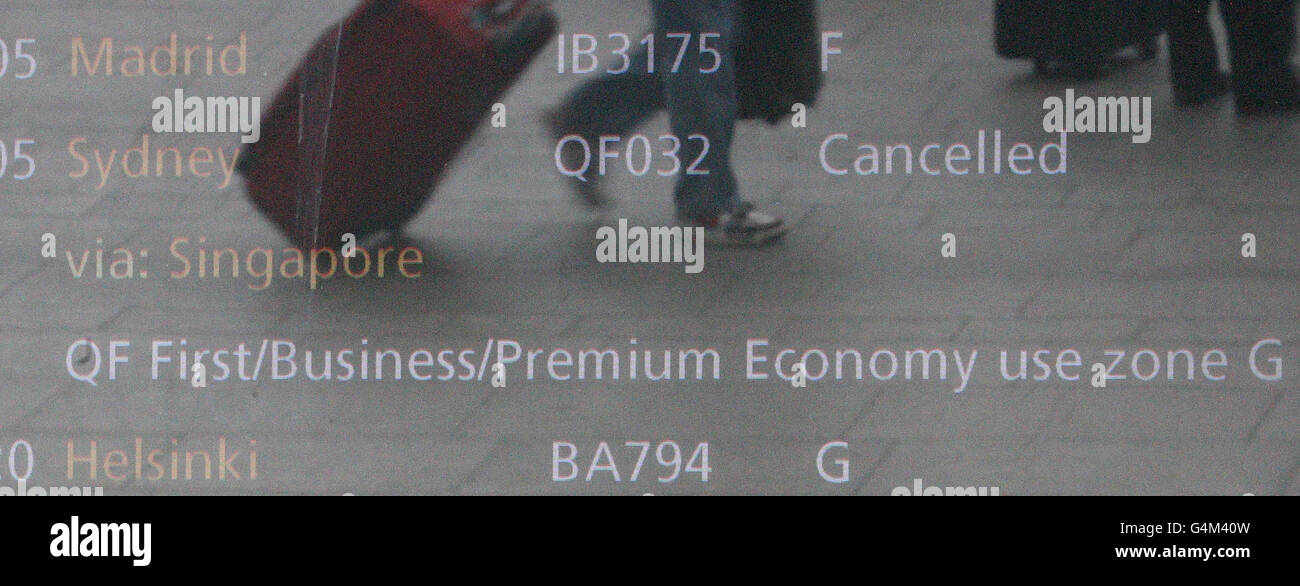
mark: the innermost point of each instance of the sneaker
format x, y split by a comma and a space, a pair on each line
589, 192
744, 228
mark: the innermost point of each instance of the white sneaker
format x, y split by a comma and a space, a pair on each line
743, 228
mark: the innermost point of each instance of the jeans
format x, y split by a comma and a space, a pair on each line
697, 103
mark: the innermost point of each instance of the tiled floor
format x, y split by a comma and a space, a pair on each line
1136, 247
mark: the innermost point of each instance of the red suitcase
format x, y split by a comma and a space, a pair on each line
361, 132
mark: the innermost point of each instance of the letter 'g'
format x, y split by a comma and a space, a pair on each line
842, 464
1275, 372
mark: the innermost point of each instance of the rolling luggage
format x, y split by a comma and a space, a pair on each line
1077, 35
361, 132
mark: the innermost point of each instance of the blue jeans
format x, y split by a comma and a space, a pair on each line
697, 103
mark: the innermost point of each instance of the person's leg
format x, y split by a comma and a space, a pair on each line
1193, 56
612, 104
700, 104
1261, 34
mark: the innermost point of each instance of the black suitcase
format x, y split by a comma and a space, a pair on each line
778, 60
1076, 37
